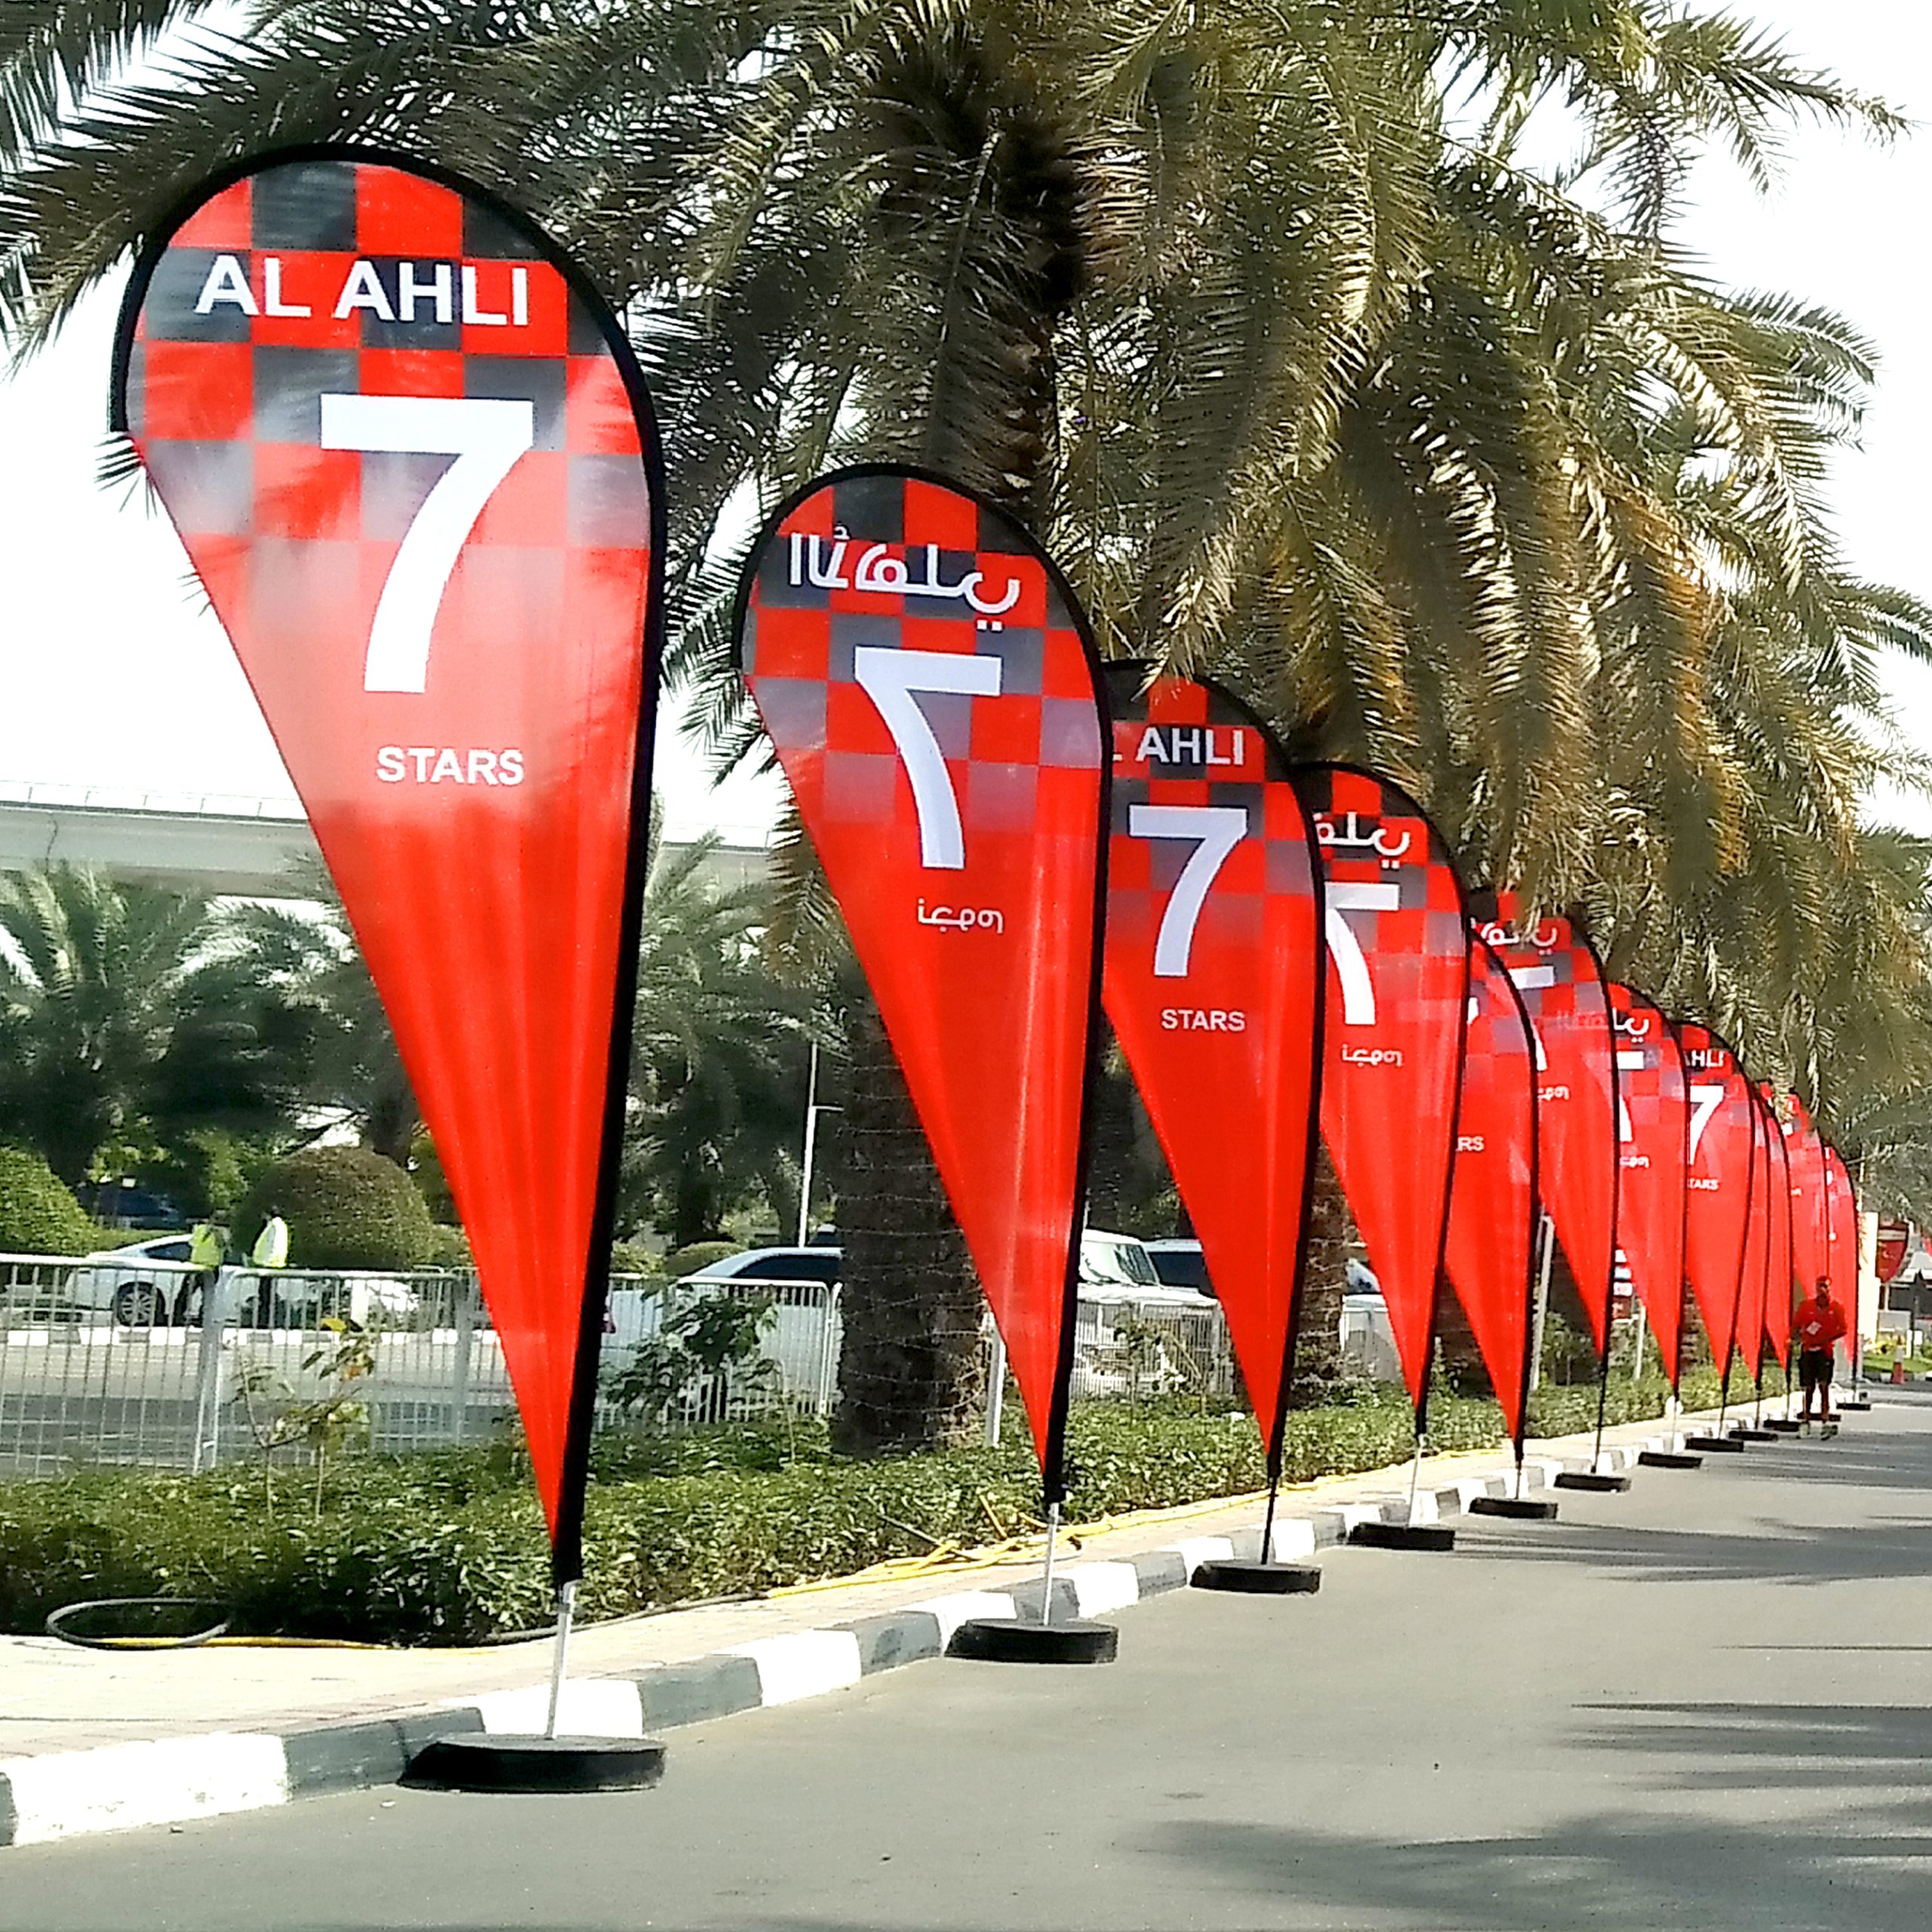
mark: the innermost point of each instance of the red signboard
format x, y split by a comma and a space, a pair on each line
1894, 1238
410, 453
1717, 1215
1653, 1128
1213, 983
1493, 1185
929, 683
1562, 985
1393, 1027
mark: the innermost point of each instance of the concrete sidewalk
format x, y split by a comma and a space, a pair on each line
345, 1714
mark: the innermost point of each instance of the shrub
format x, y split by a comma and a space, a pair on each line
449, 1247
449, 1547
37, 1215
688, 1259
346, 1208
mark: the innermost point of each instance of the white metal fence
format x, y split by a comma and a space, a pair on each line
136, 1362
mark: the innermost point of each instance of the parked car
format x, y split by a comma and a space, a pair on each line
138, 1287
1367, 1339
802, 1337
135, 1285
124, 1205
1181, 1264
1108, 1260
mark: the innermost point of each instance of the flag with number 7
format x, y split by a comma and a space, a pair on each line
1214, 983
411, 456
929, 685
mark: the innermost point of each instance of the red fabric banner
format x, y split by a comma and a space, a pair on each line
1842, 1243
1780, 1290
410, 455
1811, 1210
1562, 985
1393, 1027
1493, 1184
929, 684
1717, 1220
1654, 1129
1751, 1326
1213, 982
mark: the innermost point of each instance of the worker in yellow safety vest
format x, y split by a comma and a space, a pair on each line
207, 1249
269, 1252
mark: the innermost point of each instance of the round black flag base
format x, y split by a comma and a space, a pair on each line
1723, 1445
1781, 1426
1742, 1434
1520, 1508
1860, 1404
1258, 1579
476, 1761
1669, 1458
1595, 1480
1015, 1640
1403, 1536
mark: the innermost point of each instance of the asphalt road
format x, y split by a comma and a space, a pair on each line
1707, 1703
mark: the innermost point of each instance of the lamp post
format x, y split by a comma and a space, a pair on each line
812, 1110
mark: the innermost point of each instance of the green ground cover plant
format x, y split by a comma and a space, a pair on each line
448, 1547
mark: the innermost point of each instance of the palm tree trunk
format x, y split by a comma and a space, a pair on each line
1318, 1332
912, 1372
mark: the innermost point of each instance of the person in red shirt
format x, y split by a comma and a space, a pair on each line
1816, 1326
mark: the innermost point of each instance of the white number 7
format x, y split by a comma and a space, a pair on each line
1216, 831
1343, 896
889, 677
486, 435
1705, 1101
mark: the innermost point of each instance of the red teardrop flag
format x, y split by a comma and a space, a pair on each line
1561, 981
1493, 1185
1810, 1205
929, 683
1841, 1244
1213, 983
410, 455
1393, 1027
1751, 1324
1780, 1291
1717, 1215
1655, 1126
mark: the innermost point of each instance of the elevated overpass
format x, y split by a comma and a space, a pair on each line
205, 841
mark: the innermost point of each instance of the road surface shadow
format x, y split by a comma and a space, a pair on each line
1631, 1873
1747, 1747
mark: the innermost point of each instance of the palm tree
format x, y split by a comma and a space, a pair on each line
121, 1022
1249, 309
718, 1056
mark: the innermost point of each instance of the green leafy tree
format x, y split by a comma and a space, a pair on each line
719, 1058
121, 1021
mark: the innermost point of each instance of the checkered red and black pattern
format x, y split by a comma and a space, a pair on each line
1213, 983
933, 699
1491, 1250
1717, 1214
1393, 1027
476, 808
1654, 1129
1562, 987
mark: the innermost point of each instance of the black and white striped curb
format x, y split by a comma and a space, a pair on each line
65, 1794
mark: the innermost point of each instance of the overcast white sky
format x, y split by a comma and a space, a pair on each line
116, 677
